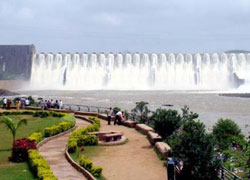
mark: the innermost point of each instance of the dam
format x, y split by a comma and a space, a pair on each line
140, 71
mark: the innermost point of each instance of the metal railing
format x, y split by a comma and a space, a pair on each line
225, 174
86, 108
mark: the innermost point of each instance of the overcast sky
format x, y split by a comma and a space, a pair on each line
126, 25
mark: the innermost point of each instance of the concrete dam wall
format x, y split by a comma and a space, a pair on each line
16, 61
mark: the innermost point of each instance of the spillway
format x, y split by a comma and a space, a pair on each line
134, 71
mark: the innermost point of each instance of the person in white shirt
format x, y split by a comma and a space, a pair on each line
118, 118
60, 104
4, 103
27, 102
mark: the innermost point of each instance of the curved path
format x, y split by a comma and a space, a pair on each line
134, 160
53, 151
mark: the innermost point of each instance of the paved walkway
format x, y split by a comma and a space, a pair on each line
53, 152
134, 160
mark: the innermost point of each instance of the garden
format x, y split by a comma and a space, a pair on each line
20, 132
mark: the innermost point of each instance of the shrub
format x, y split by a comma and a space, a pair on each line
72, 144
20, 149
166, 122
88, 165
96, 171
14, 112
36, 136
85, 140
51, 131
196, 148
39, 166
41, 114
225, 132
65, 126
142, 111
85, 163
79, 137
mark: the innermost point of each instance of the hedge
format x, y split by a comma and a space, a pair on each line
79, 137
56, 129
88, 165
40, 166
36, 136
14, 112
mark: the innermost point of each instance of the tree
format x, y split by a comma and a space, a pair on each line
12, 126
195, 148
166, 122
141, 109
188, 115
226, 131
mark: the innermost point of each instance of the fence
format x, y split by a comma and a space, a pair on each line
225, 174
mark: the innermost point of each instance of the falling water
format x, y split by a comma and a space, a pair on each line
140, 71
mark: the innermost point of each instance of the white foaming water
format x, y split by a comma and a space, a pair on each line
140, 71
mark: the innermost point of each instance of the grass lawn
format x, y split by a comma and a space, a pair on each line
20, 171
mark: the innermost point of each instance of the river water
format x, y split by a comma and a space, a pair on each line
209, 106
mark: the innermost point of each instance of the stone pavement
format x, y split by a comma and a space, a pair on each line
53, 152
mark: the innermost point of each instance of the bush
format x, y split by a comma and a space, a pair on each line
65, 126
20, 149
79, 137
196, 148
39, 166
85, 163
225, 132
41, 114
96, 171
166, 122
85, 140
51, 131
36, 136
14, 112
88, 165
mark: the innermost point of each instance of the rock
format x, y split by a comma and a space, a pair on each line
4, 92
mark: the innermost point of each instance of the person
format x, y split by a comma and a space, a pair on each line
60, 104
110, 115
52, 103
48, 104
118, 118
22, 102
171, 168
27, 102
45, 105
4, 103
17, 105
8, 104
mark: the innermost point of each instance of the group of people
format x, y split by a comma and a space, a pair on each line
47, 104
118, 116
20, 103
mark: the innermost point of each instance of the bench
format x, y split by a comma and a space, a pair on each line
154, 137
162, 148
143, 128
112, 137
129, 123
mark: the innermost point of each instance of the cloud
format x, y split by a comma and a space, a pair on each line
113, 25
25, 14
108, 19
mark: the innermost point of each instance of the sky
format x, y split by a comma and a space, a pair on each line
184, 26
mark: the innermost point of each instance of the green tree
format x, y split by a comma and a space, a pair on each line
141, 109
195, 148
188, 115
226, 131
165, 122
12, 126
